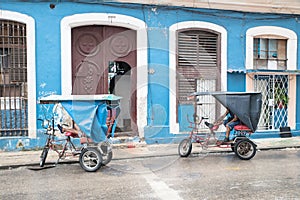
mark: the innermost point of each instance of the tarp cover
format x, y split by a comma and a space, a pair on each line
246, 105
88, 112
90, 116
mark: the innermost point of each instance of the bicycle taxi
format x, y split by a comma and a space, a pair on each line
96, 118
245, 105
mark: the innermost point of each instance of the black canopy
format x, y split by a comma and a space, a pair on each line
245, 105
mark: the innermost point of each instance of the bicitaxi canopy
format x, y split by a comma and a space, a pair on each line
245, 105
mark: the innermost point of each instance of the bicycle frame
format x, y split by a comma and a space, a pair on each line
52, 144
204, 138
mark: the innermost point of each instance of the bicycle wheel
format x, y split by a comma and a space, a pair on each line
106, 152
185, 148
245, 149
90, 159
43, 156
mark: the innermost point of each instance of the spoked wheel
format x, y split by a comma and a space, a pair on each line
106, 152
43, 156
185, 148
90, 159
245, 149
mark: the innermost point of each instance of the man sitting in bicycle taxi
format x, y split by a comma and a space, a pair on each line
228, 119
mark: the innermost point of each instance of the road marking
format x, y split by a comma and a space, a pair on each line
233, 168
161, 189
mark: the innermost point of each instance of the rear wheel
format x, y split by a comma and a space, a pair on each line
106, 152
43, 156
185, 148
90, 159
245, 149
107, 158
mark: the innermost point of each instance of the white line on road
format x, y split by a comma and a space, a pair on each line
161, 189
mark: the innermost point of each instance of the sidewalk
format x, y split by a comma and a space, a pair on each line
134, 150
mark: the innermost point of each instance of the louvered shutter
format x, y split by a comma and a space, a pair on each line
197, 59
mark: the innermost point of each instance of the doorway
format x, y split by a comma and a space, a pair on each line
104, 61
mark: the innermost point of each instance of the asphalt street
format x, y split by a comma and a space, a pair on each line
135, 150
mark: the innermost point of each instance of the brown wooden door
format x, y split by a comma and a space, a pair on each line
93, 48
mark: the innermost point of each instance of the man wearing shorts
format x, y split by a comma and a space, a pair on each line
230, 121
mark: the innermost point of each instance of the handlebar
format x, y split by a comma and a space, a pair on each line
45, 125
196, 119
48, 124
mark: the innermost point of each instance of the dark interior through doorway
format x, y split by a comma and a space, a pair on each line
119, 81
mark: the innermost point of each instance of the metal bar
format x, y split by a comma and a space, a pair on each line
13, 105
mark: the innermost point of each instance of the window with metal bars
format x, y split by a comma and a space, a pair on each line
197, 59
198, 69
13, 79
274, 89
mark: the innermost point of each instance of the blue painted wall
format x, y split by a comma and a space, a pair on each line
236, 82
158, 20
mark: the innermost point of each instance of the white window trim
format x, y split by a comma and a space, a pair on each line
110, 19
272, 30
291, 61
31, 71
174, 126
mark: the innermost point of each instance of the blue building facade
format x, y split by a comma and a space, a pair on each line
172, 51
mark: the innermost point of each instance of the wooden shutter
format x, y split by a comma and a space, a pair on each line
197, 59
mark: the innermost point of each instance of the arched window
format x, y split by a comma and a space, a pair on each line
17, 75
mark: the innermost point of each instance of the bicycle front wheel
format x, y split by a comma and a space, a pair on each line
43, 156
185, 148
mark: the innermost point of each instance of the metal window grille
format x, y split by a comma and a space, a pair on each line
197, 58
198, 68
13, 79
274, 89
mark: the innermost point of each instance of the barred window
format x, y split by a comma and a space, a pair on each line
13, 79
274, 90
197, 60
